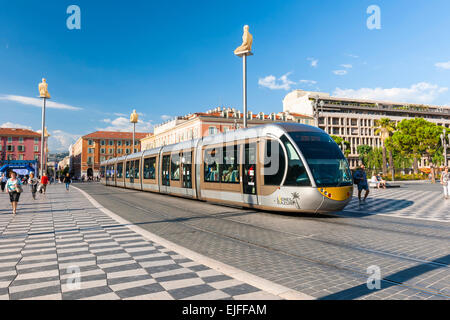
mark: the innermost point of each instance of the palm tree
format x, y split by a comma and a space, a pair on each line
385, 127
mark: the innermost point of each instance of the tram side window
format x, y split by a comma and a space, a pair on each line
136, 168
175, 167
149, 168
120, 170
127, 170
274, 169
229, 169
296, 175
211, 164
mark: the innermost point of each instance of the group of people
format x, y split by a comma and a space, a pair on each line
14, 186
360, 179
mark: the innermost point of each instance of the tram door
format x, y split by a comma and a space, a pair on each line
186, 161
249, 174
165, 172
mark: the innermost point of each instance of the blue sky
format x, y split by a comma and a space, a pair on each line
169, 58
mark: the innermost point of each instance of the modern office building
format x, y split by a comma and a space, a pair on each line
89, 150
201, 124
354, 119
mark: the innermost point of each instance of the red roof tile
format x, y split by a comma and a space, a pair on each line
115, 135
18, 132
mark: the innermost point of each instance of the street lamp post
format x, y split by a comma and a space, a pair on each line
445, 145
243, 51
44, 95
316, 110
134, 117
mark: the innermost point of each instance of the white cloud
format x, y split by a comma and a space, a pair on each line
117, 114
340, 72
273, 83
443, 65
59, 141
14, 125
308, 82
421, 92
123, 124
346, 66
352, 56
36, 102
314, 62
166, 117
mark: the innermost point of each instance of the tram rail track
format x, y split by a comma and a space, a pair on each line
353, 271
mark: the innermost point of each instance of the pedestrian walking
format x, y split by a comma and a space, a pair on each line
67, 181
44, 183
445, 181
3, 181
14, 187
360, 179
33, 182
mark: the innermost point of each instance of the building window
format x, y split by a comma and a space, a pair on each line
90, 142
212, 130
119, 143
127, 143
21, 139
36, 140
111, 142
102, 150
89, 160
136, 142
20, 156
119, 151
10, 157
102, 159
21, 148
90, 150
10, 148
127, 151
9, 139
111, 151
36, 148
102, 142
36, 157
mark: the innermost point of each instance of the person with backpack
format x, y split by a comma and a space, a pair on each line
33, 182
445, 181
360, 179
14, 187
67, 181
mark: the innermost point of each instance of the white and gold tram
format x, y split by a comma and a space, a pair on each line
281, 167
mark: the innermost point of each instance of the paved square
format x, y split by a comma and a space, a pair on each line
62, 237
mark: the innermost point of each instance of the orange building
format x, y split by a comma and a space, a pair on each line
218, 120
91, 149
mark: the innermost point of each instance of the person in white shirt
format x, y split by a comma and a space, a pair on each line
445, 178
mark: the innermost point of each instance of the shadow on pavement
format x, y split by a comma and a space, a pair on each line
395, 279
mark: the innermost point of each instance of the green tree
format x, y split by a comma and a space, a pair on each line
339, 141
385, 128
364, 152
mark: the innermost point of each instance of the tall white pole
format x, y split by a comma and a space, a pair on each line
244, 71
134, 133
43, 139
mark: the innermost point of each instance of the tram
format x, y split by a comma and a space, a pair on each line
279, 167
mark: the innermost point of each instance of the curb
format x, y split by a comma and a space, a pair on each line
260, 283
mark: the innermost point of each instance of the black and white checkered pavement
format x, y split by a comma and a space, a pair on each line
403, 203
61, 238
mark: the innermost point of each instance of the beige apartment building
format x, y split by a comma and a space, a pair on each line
354, 119
214, 121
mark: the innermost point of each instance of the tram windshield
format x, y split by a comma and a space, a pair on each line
325, 160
